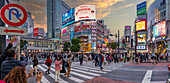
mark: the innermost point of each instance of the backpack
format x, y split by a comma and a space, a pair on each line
36, 62
102, 58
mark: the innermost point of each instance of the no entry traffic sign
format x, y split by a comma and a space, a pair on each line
13, 14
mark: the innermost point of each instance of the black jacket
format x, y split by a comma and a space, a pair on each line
3, 56
9, 64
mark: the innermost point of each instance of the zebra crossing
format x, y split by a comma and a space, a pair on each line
78, 74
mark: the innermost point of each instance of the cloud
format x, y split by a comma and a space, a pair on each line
104, 7
123, 15
126, 6
38, 9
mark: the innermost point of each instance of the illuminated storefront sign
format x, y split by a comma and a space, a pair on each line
85, 12
159, 29
141, 25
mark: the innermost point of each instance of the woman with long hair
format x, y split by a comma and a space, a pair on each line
35, 62
18, 75
48, 63
58, 62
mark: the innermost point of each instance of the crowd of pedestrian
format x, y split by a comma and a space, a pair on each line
13, 71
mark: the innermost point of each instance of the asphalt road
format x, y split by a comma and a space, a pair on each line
117, 72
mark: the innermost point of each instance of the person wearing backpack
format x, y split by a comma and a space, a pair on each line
68, 66
96, 60
101, 59
81, 59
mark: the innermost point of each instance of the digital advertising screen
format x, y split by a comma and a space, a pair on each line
141, 38
141, 25
159, 29
68, 17
64, 30
85, 12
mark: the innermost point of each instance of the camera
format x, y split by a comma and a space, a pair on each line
36, 72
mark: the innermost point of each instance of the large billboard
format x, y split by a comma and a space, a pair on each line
141, 8
85, 12
141, 24
159, 29
68, 17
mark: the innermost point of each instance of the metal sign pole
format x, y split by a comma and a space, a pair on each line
2, 37
18, 48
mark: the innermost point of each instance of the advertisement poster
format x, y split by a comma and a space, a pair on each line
142, 38
68, 17
85, 12
159, 29
141, 25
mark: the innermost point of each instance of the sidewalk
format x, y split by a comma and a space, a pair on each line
105, 80
148, 64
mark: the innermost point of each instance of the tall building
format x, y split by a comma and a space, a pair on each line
55, 10
158, 20
29, 24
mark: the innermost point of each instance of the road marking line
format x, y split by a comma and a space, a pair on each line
81, 75
84, 69
71, 78
91, 68
158, 82
147, 77
85, 72
52, 75
43, 80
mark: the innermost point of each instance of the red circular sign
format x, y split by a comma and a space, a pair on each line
7, 21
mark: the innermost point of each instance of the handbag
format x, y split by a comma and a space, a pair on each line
61, 67
48, 64
66, 64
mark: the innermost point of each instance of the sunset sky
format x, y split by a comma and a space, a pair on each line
116, 13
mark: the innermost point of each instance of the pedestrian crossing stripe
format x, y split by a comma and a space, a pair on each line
78, 74
51, 74
92, 68
82, 71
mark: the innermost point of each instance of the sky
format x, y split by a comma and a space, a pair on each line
115, 13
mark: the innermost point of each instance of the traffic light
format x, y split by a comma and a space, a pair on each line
132, 43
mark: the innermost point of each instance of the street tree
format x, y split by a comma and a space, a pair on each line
112, 45
66, 46
23, 44
75, 47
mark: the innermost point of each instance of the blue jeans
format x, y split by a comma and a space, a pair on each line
100, 64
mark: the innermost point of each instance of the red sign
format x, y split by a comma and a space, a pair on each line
12, 18
35, 31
